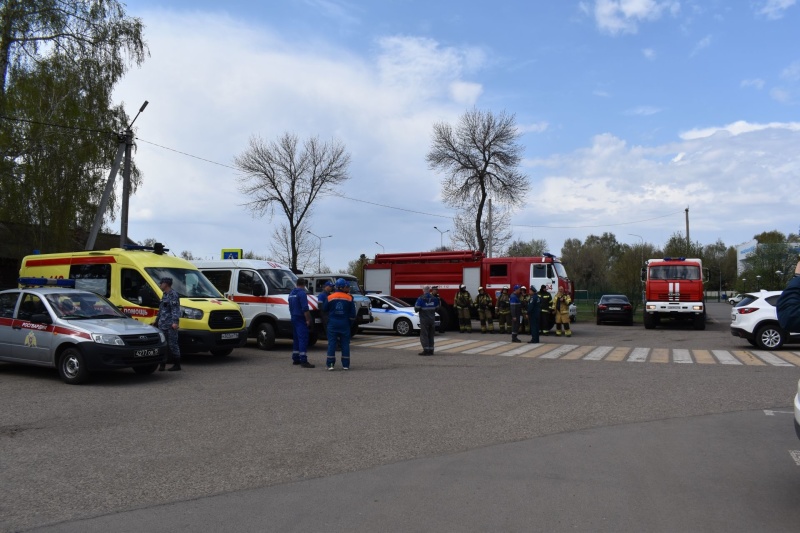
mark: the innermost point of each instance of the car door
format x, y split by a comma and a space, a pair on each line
8, 304
383, 314
31, 339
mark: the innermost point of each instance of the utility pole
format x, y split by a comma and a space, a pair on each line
688, 240
490, 229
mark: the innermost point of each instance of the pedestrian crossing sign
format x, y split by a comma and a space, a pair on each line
232, 253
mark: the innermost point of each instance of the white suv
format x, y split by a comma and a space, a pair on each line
755, 318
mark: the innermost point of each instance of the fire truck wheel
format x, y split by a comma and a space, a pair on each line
403, 327
265, 336
71, 367
649, 321
700, 322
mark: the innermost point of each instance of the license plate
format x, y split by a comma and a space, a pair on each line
226, 336
614, 308
146, 353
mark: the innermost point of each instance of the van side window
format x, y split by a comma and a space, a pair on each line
134, 285
7, 303
94, 278
498, 270
247, 280
221, 279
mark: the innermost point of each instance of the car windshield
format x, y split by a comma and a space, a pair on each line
746, 300
188, 283
617, 299
690, 272
278, 281
354, 288
76, 306
394, 301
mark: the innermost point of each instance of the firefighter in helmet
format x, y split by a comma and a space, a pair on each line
504, 311
463, 304
484, 303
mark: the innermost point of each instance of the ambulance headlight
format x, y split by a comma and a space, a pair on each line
107, 338
191, 313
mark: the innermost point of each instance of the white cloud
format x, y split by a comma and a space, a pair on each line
536, 127
465, 93
755, 82
792, 72
643, 110
649, 54
774, 9
738, 128
624, 16
702, 44
779, 94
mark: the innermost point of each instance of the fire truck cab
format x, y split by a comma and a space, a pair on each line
673, 289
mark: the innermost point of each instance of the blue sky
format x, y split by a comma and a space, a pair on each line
630, 112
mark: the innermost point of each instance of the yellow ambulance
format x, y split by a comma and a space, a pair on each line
130, 279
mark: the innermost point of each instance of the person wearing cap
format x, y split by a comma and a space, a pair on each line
435, 294
484, 303
561, 308
322, 298
503, 311
525, 321
301, 322
341, 315
545, 316
426, 305
463, 304
169, 314
516, 312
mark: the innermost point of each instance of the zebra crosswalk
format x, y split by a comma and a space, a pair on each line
572, 352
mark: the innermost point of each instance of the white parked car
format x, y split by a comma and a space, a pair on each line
392, 314
755, 318
797, 411
735, 299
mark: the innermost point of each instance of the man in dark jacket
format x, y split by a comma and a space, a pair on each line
426, 305
534, 314
788, 304
545, 300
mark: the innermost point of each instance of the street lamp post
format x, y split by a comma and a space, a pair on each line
758, 283
780, 278
744, 282
441, 236
319, 250
642, 244
383, 250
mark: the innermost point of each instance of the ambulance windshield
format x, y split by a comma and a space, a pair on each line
186, 282
278, 280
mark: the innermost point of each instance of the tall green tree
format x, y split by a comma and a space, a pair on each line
480, 157
531, 248
59, 63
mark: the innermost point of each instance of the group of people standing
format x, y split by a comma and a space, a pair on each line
338, 313
517, 312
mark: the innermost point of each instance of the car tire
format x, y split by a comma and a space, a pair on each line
769, 337
222, 352
403, 327
265, 336
146, 369
752, 342
72, 368
598, 321
629, 322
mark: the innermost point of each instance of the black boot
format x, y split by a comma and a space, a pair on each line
176, 366
161, 367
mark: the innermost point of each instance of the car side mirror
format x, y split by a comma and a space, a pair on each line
41, 318
259, 289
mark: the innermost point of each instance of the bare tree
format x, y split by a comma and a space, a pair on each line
480, 157
464, 236
282, 173
281, 251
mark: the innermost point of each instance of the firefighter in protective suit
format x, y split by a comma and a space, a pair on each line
561, 307
463, 303
524, 298
547, 311
504, 311
484, 303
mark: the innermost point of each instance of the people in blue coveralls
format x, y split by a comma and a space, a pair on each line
516, 312
341, 314
321, 299
301, 321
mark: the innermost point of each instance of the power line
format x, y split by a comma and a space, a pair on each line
601, 225
53, 125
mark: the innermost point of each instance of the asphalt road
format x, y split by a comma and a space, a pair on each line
454, 442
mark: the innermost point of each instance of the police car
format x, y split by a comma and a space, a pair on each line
392, 314
48, 323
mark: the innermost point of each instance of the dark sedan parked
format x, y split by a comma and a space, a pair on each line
615, 308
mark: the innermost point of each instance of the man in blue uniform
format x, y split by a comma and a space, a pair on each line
426, 306
301, 321
534, 315
321, 299
516, 313
169, 314
341, 315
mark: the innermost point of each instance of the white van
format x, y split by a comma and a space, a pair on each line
261, 288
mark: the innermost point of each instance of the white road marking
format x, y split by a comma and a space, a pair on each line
456, 345
558, 352
681, 355
796, 456
598, 353
487, 347
771, 359
638, 355
525, 348
725, 357
770, 412
378, 343
409, 345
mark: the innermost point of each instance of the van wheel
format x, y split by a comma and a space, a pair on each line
72, 368
222, 352
265, 336
146, 369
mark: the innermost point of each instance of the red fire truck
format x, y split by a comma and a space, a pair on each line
404, 274
673, 288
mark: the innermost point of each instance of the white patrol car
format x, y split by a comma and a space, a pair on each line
392, 314
73, 330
